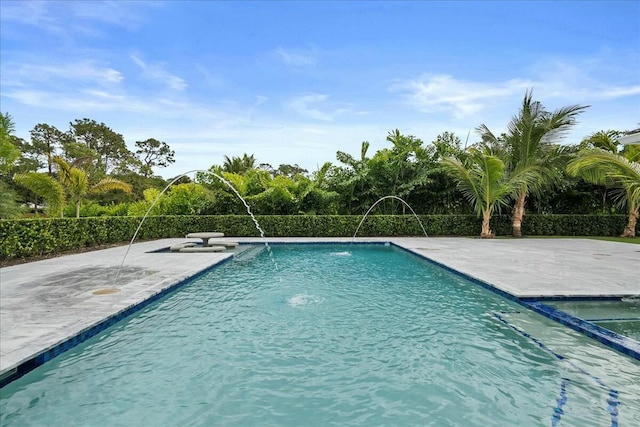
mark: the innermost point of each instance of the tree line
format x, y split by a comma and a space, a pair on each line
89, 171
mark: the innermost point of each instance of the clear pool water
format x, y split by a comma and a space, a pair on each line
622, 316
337, 335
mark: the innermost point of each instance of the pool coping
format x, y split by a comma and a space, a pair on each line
612, 340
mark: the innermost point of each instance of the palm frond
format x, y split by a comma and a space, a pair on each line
606, 168
108, 184
46, 187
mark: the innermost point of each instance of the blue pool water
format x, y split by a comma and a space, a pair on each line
336, 335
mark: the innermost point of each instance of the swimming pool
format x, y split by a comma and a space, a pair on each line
343, 335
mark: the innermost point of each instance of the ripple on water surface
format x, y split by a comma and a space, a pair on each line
374, 338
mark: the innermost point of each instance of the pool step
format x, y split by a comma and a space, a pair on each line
180, 246
203, 249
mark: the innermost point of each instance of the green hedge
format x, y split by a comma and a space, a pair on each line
30, 237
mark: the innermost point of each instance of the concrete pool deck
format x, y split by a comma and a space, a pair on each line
45, 303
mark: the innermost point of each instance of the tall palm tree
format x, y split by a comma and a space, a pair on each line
483, 180
76, 181
606, 168
531, 141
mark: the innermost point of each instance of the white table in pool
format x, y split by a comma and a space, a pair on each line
205, 236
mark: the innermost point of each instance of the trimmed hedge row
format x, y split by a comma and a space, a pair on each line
30, 237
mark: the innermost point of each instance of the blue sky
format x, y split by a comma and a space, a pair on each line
293, 82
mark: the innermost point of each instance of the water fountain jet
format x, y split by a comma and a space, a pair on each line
227, 183
396, 198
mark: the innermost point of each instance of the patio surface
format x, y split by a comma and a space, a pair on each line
44, 303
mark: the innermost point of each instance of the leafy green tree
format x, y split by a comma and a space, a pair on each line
141, 207
90, 138
351, 178
76, 182
9, 155
187, 199
151, 153
405, 161
46, 142
9, 207
440, 194
613, 170
138, 182
447, 144
530, 142
320, 176
290, 170
312, 199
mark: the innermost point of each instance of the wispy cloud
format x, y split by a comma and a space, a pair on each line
158, 73
619, 92
73, 73
296, 58
80, 102
553, 80
78, 17
307, 106
439, 92
586, 80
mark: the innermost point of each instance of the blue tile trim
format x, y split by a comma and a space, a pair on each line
337, 242
614, 297
623, 344
41, 358
558, 412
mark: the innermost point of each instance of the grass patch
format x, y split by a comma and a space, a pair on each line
635, 240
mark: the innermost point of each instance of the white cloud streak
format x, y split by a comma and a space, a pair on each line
158, 73
75, 17
436, 93
81, 72
558, 81
306, 106
296, 58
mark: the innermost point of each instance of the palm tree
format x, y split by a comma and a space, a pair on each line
481, 181
530, 141
239, 165
46, 187
76, 181
606, 168
484, 182
605, 140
